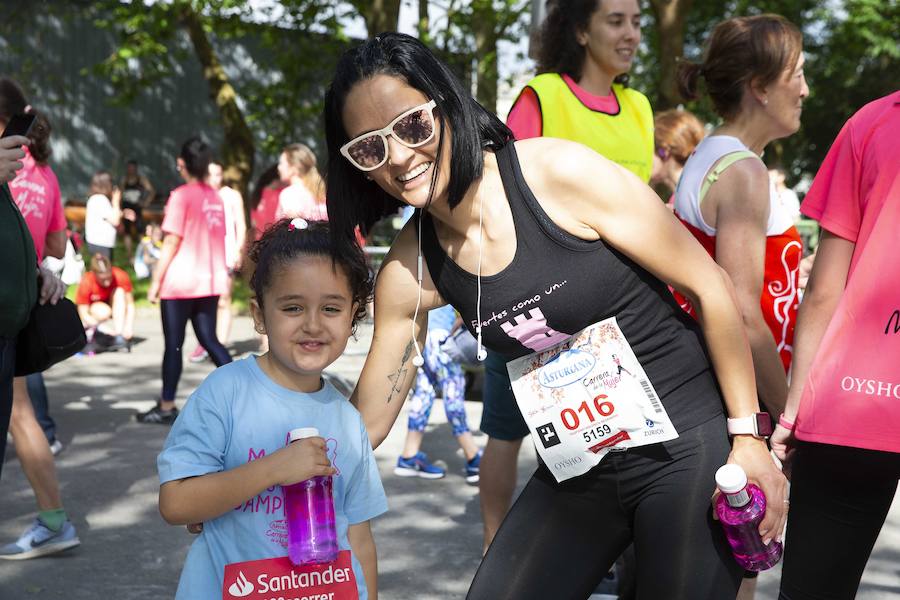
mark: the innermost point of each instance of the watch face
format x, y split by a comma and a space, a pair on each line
764, 424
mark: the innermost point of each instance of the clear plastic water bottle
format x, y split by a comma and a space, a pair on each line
309, 510
741, 508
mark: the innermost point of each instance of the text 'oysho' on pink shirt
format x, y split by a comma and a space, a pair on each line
852, 394
36, 192
196, 214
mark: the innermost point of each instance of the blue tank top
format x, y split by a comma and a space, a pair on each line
558, 284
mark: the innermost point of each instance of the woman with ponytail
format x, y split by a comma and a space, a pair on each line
753, 73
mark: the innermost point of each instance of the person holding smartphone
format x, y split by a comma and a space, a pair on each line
51, 531
18, 291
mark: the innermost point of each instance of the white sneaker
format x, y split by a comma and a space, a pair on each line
56, 447
39, 540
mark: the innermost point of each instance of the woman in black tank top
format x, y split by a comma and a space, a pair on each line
549, 238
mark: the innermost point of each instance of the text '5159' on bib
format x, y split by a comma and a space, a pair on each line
585, 397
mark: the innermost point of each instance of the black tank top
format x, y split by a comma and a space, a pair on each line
558, 284
132, 193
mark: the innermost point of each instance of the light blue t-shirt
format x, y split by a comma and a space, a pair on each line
238, 415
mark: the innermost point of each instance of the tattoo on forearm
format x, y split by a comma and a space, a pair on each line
398, 377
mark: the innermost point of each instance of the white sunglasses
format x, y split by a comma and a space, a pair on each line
413, 128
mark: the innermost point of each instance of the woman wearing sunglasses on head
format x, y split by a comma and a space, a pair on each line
498, 224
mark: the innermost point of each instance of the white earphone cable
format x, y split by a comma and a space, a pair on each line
418, 359
482, 353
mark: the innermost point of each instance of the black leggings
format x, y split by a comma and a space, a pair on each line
175, 314
560, 539
840, 498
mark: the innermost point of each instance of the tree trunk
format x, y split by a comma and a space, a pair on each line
484, 26
424, 25
670, 24
238, 148
379, 15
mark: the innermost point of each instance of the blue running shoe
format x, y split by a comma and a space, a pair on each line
39, 540
472, 468
418, 466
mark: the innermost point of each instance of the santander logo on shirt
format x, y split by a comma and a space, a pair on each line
273, 578
242, 587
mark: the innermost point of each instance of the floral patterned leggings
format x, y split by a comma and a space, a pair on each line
439, 371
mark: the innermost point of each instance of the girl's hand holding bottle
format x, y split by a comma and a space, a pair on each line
301, 460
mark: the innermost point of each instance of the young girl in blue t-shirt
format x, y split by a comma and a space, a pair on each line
227, 455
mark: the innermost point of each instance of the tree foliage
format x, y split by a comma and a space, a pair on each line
295, 42
472, 30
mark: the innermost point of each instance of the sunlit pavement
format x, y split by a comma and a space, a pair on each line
428, 544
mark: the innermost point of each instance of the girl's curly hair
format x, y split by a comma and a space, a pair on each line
281, 243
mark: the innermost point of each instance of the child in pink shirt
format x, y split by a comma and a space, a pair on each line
191, 273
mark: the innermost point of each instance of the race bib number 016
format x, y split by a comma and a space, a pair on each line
279, 579
585, 397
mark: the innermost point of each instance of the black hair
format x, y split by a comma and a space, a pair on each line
40, 137
12, 99
355, 201
196, 155
281, 243
131, 161
14, 102
262, 182
559, 50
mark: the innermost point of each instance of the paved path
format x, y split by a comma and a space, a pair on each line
428, 544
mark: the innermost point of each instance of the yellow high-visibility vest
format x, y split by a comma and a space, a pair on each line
625, 137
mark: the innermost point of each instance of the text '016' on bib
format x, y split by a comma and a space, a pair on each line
585, 397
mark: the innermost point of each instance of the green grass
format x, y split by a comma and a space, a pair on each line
240, 294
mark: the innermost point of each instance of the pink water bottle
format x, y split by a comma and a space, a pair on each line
741, 508
309, 509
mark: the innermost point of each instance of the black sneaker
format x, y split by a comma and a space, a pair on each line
158, 416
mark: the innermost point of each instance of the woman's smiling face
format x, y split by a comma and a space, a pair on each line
406, 175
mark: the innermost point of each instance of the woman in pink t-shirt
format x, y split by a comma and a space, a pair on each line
840, 431
36, 192
191, 273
